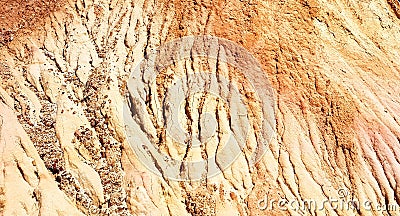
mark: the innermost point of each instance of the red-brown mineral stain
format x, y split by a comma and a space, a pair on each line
20, 14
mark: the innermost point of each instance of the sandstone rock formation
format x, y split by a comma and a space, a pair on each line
333, 67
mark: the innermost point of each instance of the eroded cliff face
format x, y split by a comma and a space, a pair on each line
333, 66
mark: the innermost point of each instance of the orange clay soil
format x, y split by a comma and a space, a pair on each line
22, 14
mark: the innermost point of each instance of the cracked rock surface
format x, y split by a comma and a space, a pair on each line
333, 67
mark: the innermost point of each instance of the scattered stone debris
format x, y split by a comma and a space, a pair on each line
17, 15
43, 136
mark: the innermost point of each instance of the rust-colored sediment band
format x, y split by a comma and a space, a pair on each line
23, 14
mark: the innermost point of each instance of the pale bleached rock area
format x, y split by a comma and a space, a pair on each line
73, 126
